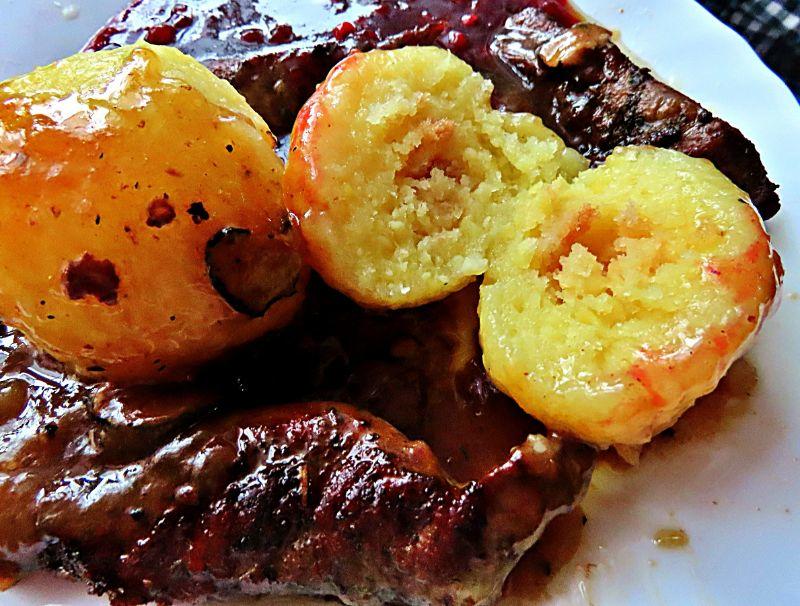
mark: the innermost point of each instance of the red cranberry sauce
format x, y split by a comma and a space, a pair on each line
214, 28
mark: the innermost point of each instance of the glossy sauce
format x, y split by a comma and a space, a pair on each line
713, 413
421, 370
275, 52
9, 574
555, 550
97, 466
418, 369
671, 538
710, 416
294, 25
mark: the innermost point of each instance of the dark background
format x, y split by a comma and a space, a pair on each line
772, 27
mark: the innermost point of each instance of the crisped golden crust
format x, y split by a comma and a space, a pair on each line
148, 196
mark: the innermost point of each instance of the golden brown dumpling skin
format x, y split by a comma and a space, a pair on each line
141, 225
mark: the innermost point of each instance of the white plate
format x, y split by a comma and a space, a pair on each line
732, 484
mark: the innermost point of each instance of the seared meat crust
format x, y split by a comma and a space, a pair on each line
586, 89
595, 98
156, 496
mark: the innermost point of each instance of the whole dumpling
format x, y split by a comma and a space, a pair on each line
142, 230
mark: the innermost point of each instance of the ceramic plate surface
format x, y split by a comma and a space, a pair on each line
731, 476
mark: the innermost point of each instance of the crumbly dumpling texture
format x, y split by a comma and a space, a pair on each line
400, 173
143, 228
625, 295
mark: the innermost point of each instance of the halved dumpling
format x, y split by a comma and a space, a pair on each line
399, 171
626, 295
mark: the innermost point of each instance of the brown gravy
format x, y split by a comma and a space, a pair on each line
555, 550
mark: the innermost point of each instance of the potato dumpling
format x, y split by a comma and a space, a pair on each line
142, 229
398, 172
626, 295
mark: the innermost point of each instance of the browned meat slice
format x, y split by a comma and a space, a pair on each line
177, 493
418, 369
591, 94
579, 82
154, 495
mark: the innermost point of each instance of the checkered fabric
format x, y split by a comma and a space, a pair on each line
773, 29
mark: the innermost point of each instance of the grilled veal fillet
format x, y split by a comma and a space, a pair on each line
541, 60
178, 494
